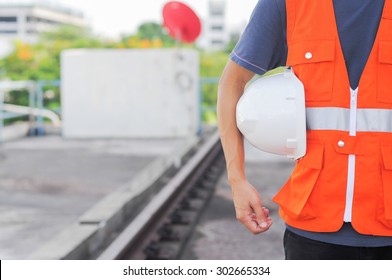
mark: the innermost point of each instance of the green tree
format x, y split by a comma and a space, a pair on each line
42, 60
148, 35
211, 67
155, 31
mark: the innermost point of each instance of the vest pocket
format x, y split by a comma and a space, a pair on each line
294, 196
384, 211
384, 93
313, 63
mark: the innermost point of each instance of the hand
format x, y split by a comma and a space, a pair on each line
248, 208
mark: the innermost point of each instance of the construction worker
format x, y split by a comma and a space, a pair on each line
337, 204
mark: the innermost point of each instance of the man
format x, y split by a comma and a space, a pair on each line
338, 202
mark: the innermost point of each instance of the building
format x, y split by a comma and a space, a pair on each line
25, 20
215, 35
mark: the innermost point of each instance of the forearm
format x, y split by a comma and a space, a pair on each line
231, 87
247, 203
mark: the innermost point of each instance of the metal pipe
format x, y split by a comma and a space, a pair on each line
40, 121
31, 108
55, 119
1, 114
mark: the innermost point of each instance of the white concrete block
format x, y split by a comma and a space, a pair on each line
130, 93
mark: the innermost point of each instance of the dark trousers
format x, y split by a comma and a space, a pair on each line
297, 247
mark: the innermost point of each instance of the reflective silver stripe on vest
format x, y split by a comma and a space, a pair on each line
331, 118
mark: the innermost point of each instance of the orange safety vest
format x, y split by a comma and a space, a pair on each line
346, 174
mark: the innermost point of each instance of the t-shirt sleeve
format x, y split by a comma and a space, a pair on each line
263, 45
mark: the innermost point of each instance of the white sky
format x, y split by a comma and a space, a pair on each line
115, 17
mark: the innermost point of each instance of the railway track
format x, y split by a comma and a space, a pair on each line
162, 229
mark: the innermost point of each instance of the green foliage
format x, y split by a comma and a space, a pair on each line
148, 35
42, 60
211, 66
154, 31
212, 63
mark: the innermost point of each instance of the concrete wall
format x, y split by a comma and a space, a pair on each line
130, 93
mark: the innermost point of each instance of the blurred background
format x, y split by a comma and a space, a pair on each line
102, 104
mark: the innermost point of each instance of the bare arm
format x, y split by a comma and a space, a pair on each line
249, 210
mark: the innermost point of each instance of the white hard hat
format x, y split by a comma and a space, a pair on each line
271, 114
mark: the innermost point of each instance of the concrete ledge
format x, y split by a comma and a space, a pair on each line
71, 242
97, 226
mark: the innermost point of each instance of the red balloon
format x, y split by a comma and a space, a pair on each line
181, 21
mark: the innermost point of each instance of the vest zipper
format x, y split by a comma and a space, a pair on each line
351, 158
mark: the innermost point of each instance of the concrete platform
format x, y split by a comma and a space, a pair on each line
48, 183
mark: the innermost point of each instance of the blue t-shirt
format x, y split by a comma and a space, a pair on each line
263, 47
263, 44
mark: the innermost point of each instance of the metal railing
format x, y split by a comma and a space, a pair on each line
15, 85
40, 103
35, 109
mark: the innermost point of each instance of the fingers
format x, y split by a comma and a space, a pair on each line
260, 214
262, 219
254, 223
